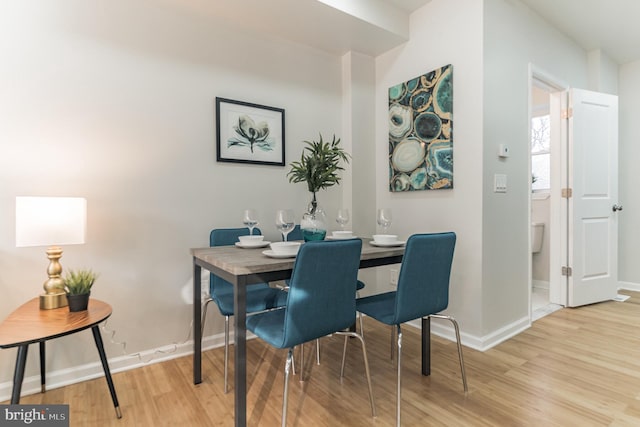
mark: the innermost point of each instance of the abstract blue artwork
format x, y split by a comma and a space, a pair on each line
421, 132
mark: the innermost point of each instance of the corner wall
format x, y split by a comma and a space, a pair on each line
629, 232
442, 32
116, 103
514, 38
358, 113
603, 73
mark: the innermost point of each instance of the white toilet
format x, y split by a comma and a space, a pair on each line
537, 233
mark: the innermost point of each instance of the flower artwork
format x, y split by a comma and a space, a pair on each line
249, 133
421, 132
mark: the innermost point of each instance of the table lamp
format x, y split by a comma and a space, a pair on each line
51, 221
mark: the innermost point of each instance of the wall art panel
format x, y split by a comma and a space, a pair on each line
421, 132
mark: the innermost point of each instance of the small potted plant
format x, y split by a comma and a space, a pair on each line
319, 167
77, 285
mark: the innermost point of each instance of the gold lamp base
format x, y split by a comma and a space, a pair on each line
54, 296
51, 301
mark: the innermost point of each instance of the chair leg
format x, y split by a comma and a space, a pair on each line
344, 349
302, 359
393, 341
302, 362
344, 355
360, 316
458, 341
398, 393
348, 334
287, 368
226, 353
204, 316
226, 343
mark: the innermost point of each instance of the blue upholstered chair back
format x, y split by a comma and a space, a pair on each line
225, 237
423, 281
322, 291
295, 234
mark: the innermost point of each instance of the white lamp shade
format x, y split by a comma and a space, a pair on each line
48, 221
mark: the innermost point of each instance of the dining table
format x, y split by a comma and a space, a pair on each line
243, 267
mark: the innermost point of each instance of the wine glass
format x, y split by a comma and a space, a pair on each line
250, 219
384, 219
285, 222
342, 218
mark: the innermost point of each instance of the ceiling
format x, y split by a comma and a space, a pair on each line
373, 27
408, 5
609, 25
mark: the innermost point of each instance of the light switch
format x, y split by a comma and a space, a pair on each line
500, 183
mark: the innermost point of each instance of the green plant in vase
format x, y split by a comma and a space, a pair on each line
77, 285
319, 166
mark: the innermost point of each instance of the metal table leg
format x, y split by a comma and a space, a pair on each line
105, 365
43, 386
197, 324
240, 366
18, 374
426, 346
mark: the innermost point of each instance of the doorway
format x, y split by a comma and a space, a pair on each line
582, 230
543, 177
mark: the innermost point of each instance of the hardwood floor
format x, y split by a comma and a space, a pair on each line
575, 367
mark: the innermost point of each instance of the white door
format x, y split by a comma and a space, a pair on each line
591, 174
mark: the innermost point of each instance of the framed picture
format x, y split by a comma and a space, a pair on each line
421, 132
249, 133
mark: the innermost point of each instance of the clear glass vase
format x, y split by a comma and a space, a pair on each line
314, 222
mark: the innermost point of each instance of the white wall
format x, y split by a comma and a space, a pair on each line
603, 73
514, 38
358, 118
116, 104
490, 46
442, 32
358, 191
629, 232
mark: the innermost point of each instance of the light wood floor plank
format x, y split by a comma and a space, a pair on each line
574, 367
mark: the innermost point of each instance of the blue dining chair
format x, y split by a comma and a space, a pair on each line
260, 297
423, 291
296, 234
320, 301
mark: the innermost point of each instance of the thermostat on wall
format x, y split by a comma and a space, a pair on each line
503, 150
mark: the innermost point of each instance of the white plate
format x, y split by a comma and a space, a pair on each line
260, 244
388, 245
272, 254
340, 238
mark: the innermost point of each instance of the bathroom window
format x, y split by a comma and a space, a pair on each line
540, 154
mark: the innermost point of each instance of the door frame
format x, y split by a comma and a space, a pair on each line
557, 289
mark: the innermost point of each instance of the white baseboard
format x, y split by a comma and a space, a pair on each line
89, 371
540, 284
630, 286
444, 329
